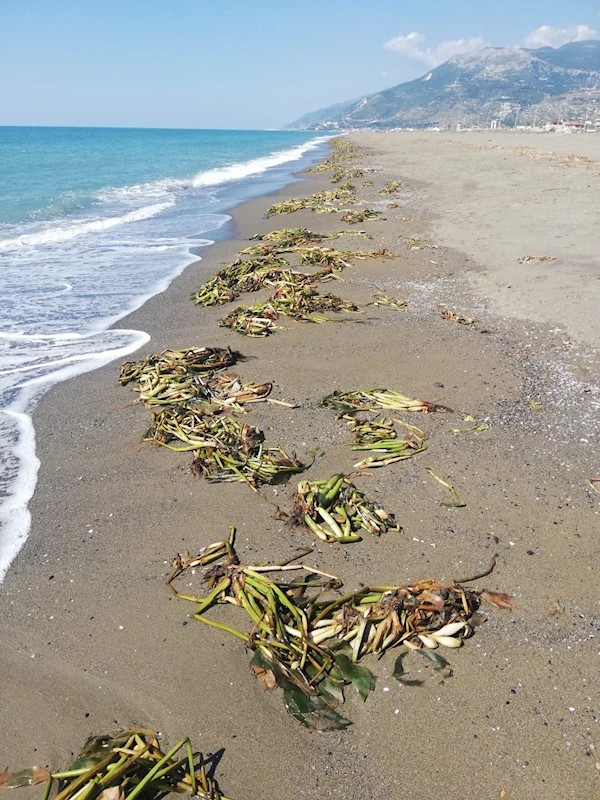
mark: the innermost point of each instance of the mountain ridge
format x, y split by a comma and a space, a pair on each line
503, 84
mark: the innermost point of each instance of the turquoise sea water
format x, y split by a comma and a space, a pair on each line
93, 221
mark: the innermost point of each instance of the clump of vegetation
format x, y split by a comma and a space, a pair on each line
256, 321
174, 376
241, 276
123, 764
382, 299
319, 202
391, 187
336, 511
224, 448
380, 438
377, 399
307, 637
341, 174
352, 216
453, 316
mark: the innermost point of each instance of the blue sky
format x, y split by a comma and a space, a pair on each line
242, 63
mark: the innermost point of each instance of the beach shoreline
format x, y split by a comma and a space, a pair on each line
91, 637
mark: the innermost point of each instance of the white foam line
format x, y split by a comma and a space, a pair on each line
39, 337
255, 166
15, 517
44, 364
14, 510
63, 234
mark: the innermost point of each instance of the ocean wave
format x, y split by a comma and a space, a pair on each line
211, 177
62, 233
255, 166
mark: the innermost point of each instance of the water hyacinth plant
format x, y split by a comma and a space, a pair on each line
123, 765
353, 216
224, 449
336, 511
391, 187
381, 439
377, 399
307, 638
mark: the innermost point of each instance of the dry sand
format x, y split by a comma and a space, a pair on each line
499, 196
92, 638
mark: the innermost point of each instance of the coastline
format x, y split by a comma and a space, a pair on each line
89, 628
108, 339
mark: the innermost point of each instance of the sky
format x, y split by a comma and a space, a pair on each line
243, 63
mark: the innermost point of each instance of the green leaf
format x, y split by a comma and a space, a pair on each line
361, 677
331, 690
399, 673
313, 712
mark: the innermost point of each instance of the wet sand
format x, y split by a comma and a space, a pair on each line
92, 638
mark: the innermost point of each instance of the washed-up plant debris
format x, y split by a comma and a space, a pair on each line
478, 426
307, 637
224, 448
193, 411
123, 765
194, 360
342, 174
268, 268
255, 321
319, 202
248, 275
367, 183
377, 399
382, 299
300, 302
594, 483
391, 187
353, 215
380, 438
454, 501
342, 152
336, 511
176, 375
526, 259
453, 316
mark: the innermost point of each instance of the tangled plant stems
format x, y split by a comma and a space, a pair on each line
306, 637
199, 419
377, 399
380, 438
123, 765
336, 511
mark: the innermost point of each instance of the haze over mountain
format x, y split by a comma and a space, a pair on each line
509, 84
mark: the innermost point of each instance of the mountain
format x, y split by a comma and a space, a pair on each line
313, 118
509, 84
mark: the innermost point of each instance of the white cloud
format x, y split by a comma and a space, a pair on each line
409, 47
546, 36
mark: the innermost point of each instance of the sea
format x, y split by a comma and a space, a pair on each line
93, 222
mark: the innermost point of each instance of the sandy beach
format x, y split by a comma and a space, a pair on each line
92, 638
